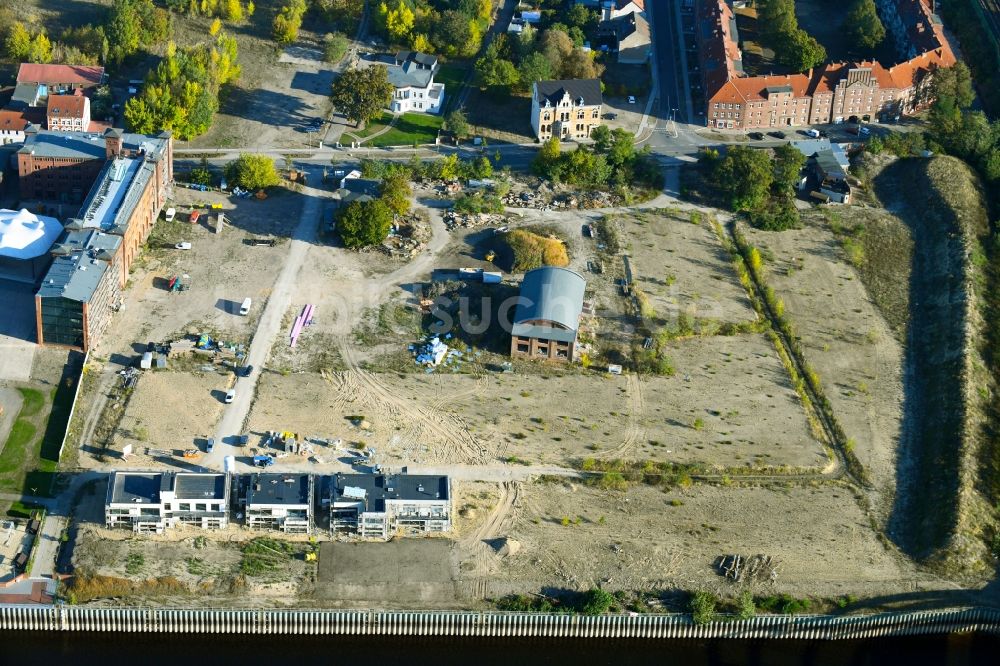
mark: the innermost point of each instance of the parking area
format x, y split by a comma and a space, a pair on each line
17, 330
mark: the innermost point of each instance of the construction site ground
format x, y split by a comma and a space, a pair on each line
729, 404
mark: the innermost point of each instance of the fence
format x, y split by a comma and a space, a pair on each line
492, 624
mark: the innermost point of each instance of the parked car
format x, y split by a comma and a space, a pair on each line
316, 122
210, 445
756, 136
183, 245
310, 129
631, 99
824, 133
611, 116
864, 131
777, 134
170, 214
247, 369
230, 395
811, 133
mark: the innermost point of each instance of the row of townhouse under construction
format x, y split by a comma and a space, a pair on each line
369, 505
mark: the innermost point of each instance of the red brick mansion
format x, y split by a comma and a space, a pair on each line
831, 93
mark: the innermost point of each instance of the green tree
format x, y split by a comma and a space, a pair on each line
252, 172
534, 67
395, 192
547, 159
362, 94
601, 135
18, 42
448, 167
139, 117
863, 25
495, 72
364, 223
622, 149
744, 175
788, 163
456, 123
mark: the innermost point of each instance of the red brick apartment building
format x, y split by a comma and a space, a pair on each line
126, 178
832, 93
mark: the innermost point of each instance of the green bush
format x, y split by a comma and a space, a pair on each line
702, 605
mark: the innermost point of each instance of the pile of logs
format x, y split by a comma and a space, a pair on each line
749, 569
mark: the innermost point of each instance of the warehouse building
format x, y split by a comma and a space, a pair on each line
548, 314
126, 178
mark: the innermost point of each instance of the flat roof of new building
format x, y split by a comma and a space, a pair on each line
290, 489
380, 487
200, 486
137, 487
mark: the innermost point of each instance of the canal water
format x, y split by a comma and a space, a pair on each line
23, 648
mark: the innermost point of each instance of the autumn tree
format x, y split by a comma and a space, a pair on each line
395, 192
362, 94
252, 172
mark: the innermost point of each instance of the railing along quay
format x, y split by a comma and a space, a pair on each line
490, 624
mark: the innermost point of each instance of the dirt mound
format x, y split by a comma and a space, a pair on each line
505, 546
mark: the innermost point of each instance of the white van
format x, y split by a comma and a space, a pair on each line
245, 307
812, 133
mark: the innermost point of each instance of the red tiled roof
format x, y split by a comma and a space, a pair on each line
12, 121
723, 82
73, 74
66, 106
16, 121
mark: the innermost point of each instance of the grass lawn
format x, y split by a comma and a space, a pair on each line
376, 125
411, 128
30, 455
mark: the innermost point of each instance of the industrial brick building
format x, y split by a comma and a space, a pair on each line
832, 93
380, 505
548, 314
126, 178
151, 502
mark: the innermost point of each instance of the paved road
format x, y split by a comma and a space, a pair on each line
268, 330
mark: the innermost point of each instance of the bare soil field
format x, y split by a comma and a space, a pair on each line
151, 419
218, 282
845, 338
576, 537
678, 262
537, 419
